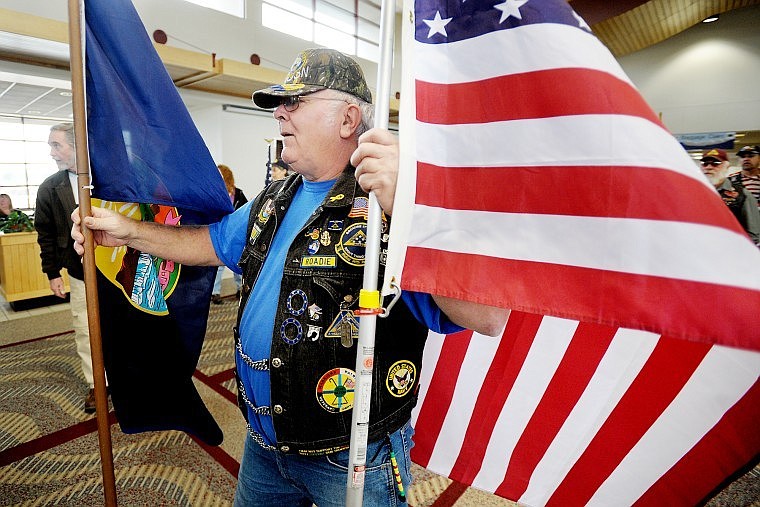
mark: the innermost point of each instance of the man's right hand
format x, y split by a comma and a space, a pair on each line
108, 228
56, 285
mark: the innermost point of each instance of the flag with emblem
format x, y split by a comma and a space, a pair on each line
150, 163
535, 177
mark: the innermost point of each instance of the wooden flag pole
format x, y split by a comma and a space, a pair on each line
76, 9
369, 298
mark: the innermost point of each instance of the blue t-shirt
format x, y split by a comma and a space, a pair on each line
256, 326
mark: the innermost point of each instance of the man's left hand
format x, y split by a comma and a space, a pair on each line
376, 162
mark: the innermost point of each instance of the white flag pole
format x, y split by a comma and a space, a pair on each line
369, 298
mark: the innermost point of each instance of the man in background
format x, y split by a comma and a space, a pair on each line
56, 199
750, 157
280, 170
738, 199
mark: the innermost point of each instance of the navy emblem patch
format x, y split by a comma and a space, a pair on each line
400, 378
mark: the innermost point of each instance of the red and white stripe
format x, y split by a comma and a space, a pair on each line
557, 412
539, 165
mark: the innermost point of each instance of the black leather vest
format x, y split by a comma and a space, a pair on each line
314, 339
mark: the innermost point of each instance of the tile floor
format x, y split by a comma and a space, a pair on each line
7, 313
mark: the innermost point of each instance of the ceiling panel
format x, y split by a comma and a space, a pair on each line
32, 100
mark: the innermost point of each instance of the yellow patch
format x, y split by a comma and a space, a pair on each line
319, 261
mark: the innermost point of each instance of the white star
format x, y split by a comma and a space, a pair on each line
581, 22
510, 8
437, 25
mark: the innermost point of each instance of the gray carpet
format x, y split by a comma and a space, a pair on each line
57, 321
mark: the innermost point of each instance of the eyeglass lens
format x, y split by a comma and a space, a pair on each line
290, 103
714, 163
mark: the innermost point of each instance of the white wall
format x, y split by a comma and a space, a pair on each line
705, 79
237, 139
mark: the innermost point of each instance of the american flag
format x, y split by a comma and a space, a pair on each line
538, 163
557, 412
541, 181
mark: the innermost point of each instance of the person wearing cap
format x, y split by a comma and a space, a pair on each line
280, 170
738, 199
750, 157
300, 245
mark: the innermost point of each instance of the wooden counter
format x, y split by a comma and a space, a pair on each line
21, 275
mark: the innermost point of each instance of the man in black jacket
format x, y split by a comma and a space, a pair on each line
56, 199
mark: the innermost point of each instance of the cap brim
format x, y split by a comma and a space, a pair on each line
750, 153
269, 98
703, 159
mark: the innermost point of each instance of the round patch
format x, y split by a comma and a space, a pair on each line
297, 302
350, 246
335, 390
401, 377
291, 331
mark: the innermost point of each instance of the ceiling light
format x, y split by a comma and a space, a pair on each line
712, 18
64, 94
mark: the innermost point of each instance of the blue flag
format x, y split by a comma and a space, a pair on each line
148, 162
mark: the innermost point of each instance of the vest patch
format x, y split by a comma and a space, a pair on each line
291, 331
350, 247
400, 378
344, 326
319, 261
335, 390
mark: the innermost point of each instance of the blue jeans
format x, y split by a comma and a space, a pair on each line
271, 478
218, 280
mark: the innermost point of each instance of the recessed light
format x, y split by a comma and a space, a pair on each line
712, 18
31, 111
64, 94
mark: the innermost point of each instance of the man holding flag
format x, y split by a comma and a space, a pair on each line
300, 246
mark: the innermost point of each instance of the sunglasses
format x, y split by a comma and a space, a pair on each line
714, 163
291, 103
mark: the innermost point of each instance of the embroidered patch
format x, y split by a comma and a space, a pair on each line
324, 238
319, 261
400, 378
313, 247
266, 211
291, 331
334, 225
255, 231
335, 390
297, 302
343, 325
350, 247
313, 234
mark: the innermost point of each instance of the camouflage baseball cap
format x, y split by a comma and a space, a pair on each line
314, 70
